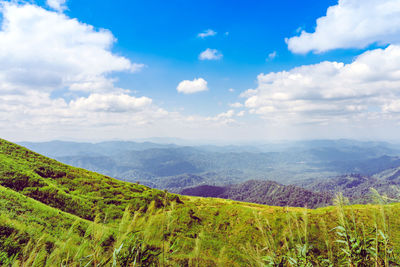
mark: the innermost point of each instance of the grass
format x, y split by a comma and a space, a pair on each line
57, 215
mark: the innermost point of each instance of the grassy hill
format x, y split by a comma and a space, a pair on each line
53, 214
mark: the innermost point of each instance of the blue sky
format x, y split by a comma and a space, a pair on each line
163, 36
134, 69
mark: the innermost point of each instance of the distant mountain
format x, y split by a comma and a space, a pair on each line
363, 166
357, 187
264, 192
65, 149
392, 175
163, 165
176, 183
205, 191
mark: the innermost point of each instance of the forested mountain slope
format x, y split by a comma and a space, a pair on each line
264, 192
357, 187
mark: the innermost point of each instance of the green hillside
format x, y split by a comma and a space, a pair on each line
56, 215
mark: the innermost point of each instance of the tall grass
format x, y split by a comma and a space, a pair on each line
354, 244
340, 236
100, 245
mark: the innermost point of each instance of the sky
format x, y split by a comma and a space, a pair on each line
224, 71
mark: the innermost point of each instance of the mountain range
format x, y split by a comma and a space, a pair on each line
304, 174
163, 165
264, 192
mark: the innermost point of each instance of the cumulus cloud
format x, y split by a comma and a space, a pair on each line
111, 103
36, 112
191, 87
352, 24
210, 54
43, 54
62, 52
207, 33
58, 5
330, 90
224, 117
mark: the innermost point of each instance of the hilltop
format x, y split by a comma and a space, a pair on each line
53, 213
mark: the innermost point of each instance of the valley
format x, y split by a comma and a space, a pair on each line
319, 168
162, 165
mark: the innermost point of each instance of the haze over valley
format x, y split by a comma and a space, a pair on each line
321, 166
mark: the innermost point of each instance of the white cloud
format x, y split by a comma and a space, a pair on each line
62, 52
392, 106
224, 117
44, 53
330, 91
241, 113
58, 5
352, 24
37, 112
191, 87
210, 54
207, 33
236, 105
231, 90
271, 56
111, 103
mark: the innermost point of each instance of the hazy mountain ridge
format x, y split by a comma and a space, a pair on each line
307, 193
151, 163
264, 192
175, 168
356, 186
68, 148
